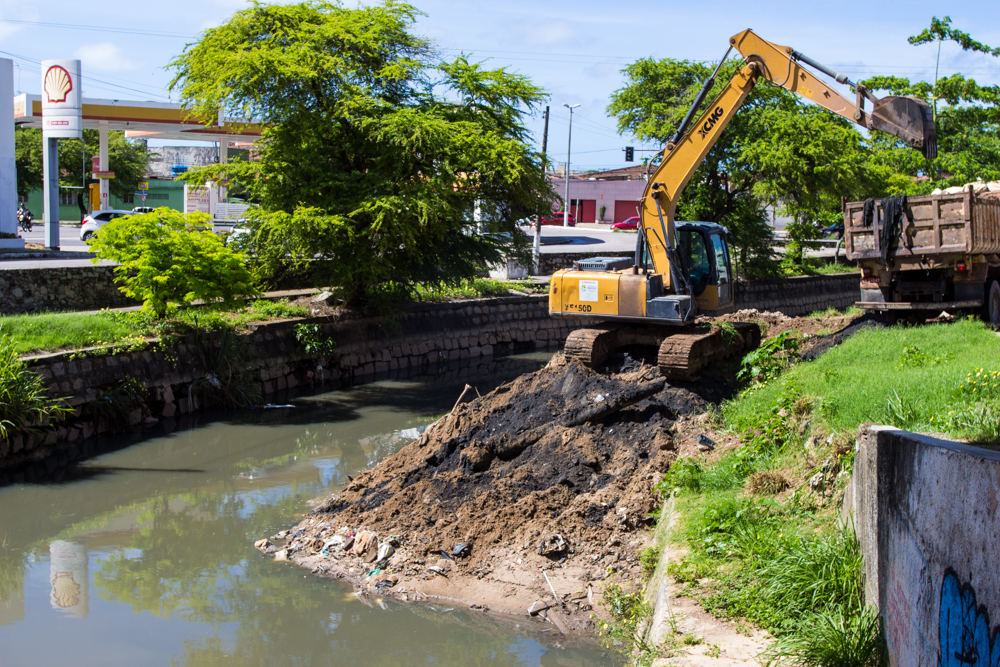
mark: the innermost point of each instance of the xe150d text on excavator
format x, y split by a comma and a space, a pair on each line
682, 270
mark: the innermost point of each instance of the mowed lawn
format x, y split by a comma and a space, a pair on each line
910, 377
61, 331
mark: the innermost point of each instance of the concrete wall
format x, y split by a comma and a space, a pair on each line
422, 335
71, 288
605, 192
926, 515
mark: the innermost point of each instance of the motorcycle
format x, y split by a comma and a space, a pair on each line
24, 221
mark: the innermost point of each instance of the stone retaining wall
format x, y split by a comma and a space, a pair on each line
68, 288
800, 295
92, 288
178, 382
926, 515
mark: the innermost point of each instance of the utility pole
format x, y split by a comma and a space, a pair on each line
569, 147
536, 252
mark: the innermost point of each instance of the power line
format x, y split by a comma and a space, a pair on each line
97, 28
86, 77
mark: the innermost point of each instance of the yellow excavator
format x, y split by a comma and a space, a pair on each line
682, 270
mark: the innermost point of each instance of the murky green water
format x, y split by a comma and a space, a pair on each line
144, 556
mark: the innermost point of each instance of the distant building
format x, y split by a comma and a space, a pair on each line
616, 193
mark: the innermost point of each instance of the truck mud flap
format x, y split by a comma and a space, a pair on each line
919, 305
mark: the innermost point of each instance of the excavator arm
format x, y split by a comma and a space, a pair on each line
904, 117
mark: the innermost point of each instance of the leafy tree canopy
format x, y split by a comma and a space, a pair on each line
128, 159
376, 154
967, 116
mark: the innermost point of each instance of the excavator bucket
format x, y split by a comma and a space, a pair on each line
909, 119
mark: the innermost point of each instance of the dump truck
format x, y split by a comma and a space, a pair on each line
683, 269
922, 255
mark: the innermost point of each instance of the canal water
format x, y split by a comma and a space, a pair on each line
144, 555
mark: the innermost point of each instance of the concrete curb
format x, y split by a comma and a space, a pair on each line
658, 588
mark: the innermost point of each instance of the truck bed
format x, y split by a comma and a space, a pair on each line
944, 224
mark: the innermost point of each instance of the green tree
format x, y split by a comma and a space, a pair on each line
28, 160
128, 159
373, 158
968, 125
166, 258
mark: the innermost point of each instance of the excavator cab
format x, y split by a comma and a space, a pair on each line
704, 253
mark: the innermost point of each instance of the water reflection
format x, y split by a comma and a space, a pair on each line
149, 549
68, 576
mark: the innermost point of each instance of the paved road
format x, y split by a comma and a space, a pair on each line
69, 236
580, 239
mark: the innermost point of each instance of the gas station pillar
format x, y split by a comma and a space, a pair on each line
105, 166
8, 163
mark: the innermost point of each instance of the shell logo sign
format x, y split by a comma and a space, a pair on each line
57, 84
62, 109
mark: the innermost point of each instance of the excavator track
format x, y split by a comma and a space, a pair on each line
683, 353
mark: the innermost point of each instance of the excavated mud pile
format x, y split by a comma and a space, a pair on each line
526, 498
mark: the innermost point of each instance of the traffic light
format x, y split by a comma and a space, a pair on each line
629, 154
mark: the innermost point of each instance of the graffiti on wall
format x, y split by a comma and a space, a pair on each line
965, 634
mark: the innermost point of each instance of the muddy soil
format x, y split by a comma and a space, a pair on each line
529, 496
525, 500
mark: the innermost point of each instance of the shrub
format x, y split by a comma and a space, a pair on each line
22, 393
166, 258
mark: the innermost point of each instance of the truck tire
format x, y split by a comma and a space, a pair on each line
991, 305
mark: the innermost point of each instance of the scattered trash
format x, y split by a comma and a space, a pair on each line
599, 398
552, 545
459, 549
705, 443
265, 546
385, 583
538, 606
385, 550
438, 569
446, 555
364, 540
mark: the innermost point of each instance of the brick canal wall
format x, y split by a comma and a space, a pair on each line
69, 288
800, 295
93, 288
177, 380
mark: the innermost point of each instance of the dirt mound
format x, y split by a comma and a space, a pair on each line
529, 496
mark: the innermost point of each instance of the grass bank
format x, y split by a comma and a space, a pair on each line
50, 332
759, 538
940, 378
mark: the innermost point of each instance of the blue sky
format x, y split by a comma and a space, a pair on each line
574, 50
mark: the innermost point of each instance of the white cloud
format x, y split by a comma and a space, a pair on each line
104, 57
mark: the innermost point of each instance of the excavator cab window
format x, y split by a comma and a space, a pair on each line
695, 256
722, 268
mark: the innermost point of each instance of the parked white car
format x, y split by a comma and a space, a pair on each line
98, 219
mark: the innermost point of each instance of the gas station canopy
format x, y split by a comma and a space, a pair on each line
150, 120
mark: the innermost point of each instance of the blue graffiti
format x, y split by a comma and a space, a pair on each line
964, 629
